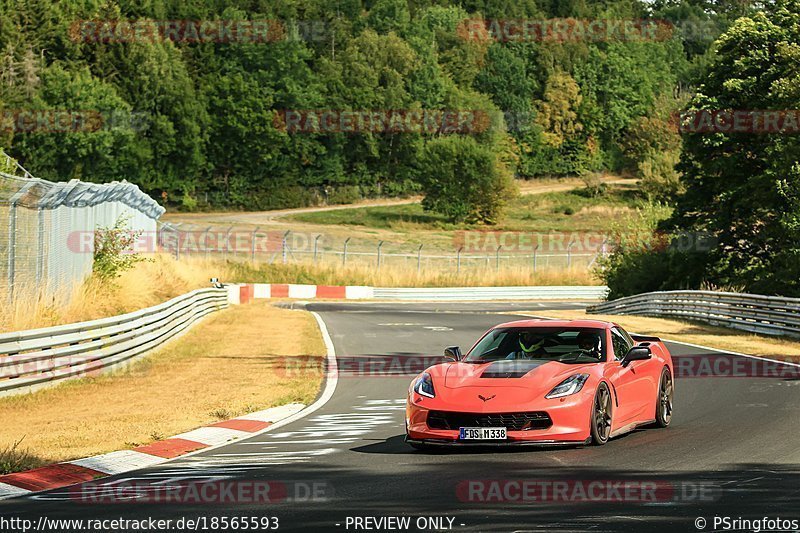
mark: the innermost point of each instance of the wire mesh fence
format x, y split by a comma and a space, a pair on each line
289, 247
48, 245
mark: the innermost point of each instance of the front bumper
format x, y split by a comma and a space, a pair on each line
504, 444
570, 418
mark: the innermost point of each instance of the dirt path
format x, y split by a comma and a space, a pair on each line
256, 218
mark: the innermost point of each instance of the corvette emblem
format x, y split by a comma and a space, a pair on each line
485, 399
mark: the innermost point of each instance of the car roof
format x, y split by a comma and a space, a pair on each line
554, 323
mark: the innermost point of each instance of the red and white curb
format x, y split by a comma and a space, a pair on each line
90, 468
243, 293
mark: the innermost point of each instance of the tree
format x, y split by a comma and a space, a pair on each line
464, 181
740, 187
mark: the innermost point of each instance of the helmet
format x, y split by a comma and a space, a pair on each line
530, 342
588, 341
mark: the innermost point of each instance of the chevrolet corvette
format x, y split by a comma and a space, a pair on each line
542, 382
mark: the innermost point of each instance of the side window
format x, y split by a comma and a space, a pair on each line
620, 343
627, 336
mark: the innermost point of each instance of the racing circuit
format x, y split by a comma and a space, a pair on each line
729, 450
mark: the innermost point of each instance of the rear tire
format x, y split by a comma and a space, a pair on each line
664, 400
601, 415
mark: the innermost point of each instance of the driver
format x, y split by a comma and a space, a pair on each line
590, 343
530, 345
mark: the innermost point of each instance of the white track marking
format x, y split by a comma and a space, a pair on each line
211, 436
118, 462
8, 491
273, 413
331, 380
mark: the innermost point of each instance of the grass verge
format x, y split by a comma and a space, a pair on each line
695, 333
235, 363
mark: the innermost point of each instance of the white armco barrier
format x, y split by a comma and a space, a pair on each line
770, 315
307, 292
38, 357
493, 293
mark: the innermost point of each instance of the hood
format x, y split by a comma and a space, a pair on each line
515, 373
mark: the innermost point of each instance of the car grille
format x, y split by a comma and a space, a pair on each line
511, 421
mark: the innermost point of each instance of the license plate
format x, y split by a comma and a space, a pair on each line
482, 433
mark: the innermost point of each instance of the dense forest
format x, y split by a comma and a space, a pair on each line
99, 90
255, 104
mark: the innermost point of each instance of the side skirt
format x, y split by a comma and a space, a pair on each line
630, 427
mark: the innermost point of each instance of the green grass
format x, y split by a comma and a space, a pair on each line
13, 458
573, 210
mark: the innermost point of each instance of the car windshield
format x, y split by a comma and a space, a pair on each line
565, 344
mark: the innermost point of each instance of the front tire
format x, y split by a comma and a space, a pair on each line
601, 415
666, 393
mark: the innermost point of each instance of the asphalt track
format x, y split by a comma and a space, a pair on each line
732, 450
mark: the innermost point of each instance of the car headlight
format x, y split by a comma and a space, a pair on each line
569, 386
424, 386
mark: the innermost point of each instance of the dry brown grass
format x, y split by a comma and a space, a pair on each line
695, 333
229, 366
149, 283
405, 276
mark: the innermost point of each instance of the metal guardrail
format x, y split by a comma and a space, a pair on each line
38, 357
769, 315
493, 293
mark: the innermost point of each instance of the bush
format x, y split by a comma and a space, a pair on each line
593, 184
346, 194
659, 179
464, 181
645, 259
114, 250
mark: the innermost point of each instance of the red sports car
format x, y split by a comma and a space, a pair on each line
545, 382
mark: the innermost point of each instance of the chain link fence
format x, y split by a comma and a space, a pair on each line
48, 245
240, 243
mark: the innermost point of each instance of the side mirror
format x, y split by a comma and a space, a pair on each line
637, 353
452, 353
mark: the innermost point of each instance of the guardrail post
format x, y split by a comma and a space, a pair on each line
177, 242
458, 260
253, 245
228, 242
40, 247
380, 244
419, 258
205, 241
316, 246
569, 253
344, 253
12, 248
284, 246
